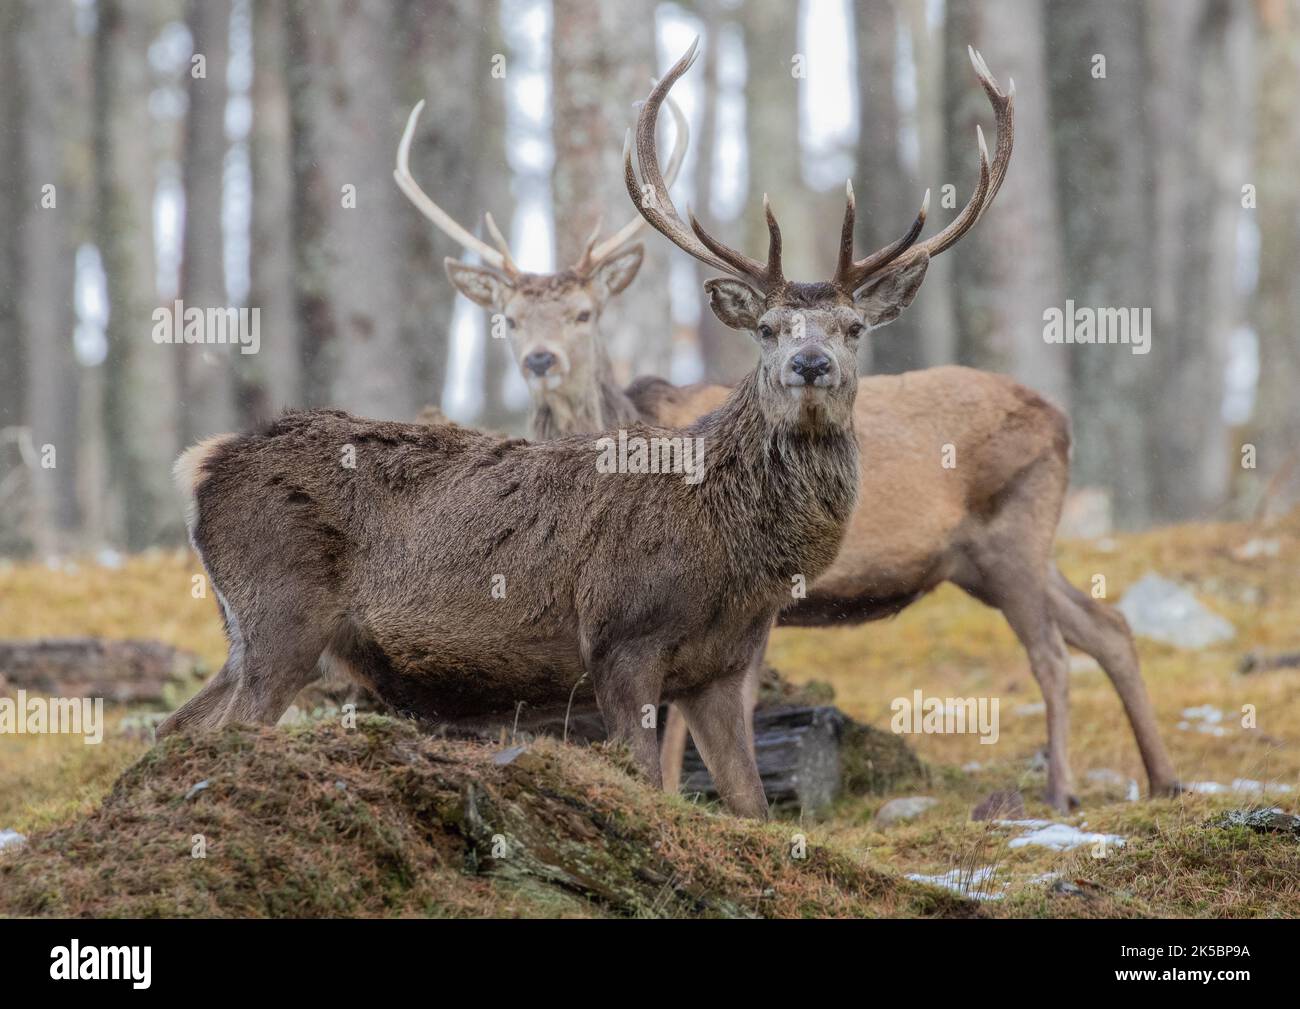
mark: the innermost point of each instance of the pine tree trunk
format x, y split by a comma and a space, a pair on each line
140, 409
349, 216
271, 379
602, 60
205, 373
1274, 427
1008, 268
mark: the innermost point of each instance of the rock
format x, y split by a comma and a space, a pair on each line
1261, 821
1001, 805
1164, 611
11, 839
899, 810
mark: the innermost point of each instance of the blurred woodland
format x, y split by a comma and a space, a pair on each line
1157, 144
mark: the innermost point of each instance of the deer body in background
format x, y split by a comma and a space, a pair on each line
986, 524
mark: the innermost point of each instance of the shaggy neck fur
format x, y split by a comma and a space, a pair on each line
782, 490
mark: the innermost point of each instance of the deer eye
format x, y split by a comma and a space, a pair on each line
510, 322
584, 316
765, 331
855, 330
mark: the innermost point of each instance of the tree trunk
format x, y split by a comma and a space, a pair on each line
1103, 186
602, 60
140, 411
54, 92
1008, 269
349, 215
205, 372
887, 195
1194, 119
271, 379
1276, 307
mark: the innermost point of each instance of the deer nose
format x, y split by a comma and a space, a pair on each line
810, 366
539, 362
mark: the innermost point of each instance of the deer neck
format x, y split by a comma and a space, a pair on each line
588, 408
784, 492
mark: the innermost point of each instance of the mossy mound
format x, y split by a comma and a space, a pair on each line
382, 821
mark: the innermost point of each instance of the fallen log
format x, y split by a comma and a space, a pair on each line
124, 672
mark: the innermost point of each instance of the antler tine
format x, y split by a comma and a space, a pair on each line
850, 274
907, 250
596, 253
498, 258
657, 206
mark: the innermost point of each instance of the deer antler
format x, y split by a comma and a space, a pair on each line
656, 206
500, 258
850, 275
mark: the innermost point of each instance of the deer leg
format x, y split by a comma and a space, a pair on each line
627, 691
672, 750
722, 729
1027, 613
1103, 633
204, 709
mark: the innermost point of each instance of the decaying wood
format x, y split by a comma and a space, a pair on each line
128, 672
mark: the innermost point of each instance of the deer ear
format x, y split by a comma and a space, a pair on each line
737, 304
480, 284
885, 297
615, 273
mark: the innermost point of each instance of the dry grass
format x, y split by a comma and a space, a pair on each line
946, 645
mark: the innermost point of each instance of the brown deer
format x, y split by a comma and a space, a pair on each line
987, 525
552, 319
456, 573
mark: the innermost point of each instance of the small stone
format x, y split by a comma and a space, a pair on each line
1261, 821
196, 788
1164, 611
1002, 805
908, 808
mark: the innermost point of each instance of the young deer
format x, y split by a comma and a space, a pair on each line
552, 319
456, 573
987, 525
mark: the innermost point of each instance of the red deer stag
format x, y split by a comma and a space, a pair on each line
552, 319
987, 524
456, 573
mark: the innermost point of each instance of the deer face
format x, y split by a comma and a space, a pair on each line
552, 319
808, 337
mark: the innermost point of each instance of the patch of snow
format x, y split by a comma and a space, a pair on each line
1203, 718
1060, 836
1247, 785
959, 881
10, 838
